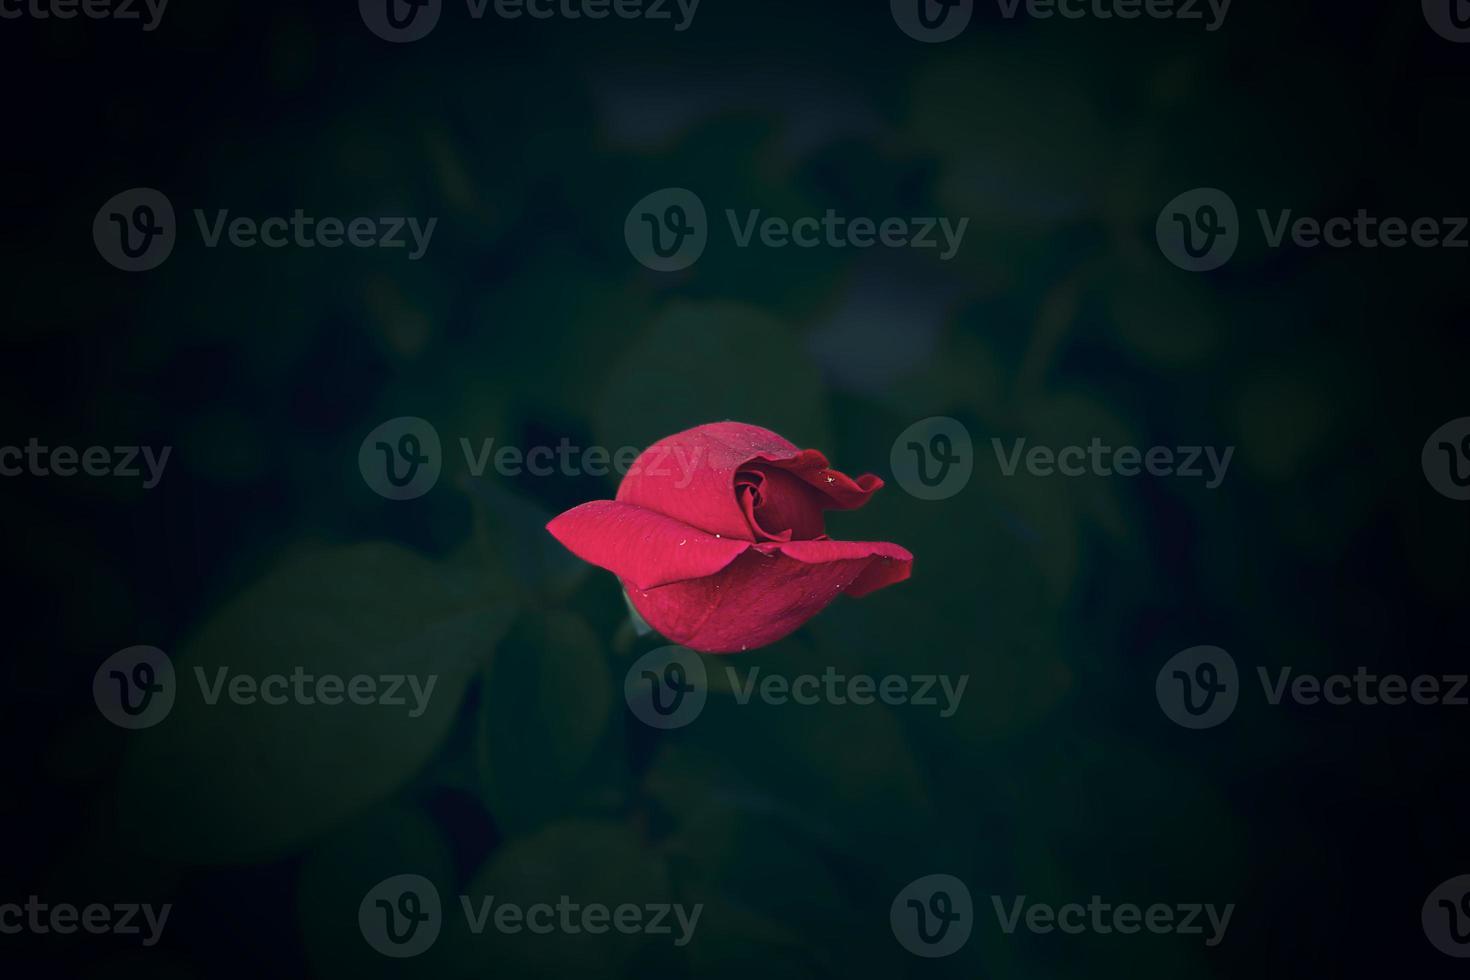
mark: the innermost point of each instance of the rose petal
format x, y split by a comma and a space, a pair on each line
890, 563
777, 505
767, 592
641, 547
841, 491
690, 476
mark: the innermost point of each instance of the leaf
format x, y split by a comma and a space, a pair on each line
517, 527
584, 862
547, 701
769, 894
236, 782
843, 774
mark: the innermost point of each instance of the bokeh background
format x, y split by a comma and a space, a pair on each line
528, 321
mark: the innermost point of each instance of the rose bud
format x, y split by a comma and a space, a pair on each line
717, 536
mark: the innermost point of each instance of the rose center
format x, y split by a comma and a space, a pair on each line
777, 505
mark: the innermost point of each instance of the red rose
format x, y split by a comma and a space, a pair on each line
717, 537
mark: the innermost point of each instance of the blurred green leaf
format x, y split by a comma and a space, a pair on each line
514, 528
584, 862
233, 782
771, 896
547, 700
842, 774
